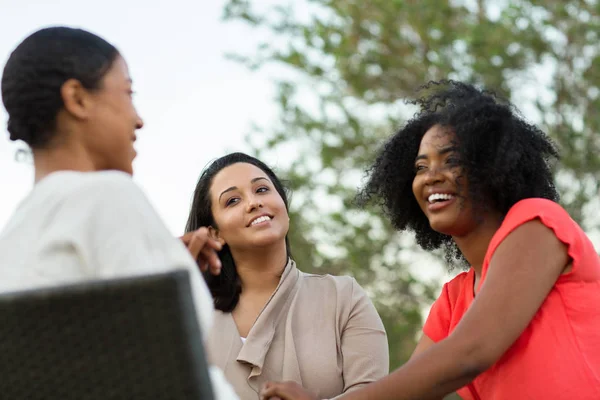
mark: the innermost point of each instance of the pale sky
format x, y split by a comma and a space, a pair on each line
196, 104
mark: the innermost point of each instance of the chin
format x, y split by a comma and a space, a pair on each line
128, 169
268, 240
441, 226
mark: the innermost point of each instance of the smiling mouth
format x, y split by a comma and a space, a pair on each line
439, 197
260, 220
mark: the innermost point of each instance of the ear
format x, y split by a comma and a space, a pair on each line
213, 233
76, 99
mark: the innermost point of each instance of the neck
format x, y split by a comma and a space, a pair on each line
260, 269
474, 245
63, 158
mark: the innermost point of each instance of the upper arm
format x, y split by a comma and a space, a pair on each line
365, 352
124, 236
521, 273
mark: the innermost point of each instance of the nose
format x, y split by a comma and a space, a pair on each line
433, 175
254, 203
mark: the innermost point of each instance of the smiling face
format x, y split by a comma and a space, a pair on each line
247, 209
112, 122
439, 185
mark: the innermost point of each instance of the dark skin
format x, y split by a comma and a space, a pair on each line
521, 273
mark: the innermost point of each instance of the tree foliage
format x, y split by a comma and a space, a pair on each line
352, 62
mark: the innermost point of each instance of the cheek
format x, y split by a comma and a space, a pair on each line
279, 205
285, 221
109, 129
220, 218
225, 221
460, 182
416, 188
119, 111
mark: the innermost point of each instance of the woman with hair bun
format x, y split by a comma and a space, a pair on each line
68, 94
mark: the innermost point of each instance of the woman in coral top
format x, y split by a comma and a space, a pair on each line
468, 175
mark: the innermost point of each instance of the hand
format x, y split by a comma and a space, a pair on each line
285, 391
203, 249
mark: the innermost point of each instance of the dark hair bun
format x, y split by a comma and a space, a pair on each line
37, 69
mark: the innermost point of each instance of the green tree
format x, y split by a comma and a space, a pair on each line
351, 63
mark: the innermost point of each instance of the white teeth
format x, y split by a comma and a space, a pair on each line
439, 196
260, 219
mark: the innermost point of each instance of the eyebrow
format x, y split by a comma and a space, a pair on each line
235, 187
441, 152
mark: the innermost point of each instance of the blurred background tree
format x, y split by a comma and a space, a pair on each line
350, 64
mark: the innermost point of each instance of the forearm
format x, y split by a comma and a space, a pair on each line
440, 370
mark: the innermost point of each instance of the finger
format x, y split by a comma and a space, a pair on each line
210, 259
202, 235
274, 390
186, 238
263, 391
196, 243
214, 244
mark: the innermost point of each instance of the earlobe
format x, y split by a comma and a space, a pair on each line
213, 233
75, 98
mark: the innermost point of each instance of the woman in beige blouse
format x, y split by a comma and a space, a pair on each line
274, 322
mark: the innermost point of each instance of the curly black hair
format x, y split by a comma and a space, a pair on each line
503, 158
37, 69
226, 287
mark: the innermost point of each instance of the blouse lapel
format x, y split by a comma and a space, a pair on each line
259, 339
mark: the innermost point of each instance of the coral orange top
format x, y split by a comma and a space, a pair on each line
558, 354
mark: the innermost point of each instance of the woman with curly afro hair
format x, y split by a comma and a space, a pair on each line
468, 175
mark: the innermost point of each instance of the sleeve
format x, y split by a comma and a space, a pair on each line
122, 235
549, 213
364, 345
437, 325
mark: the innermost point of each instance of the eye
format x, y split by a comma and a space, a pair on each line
419, 168
453, 161
233, 200
262, 189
